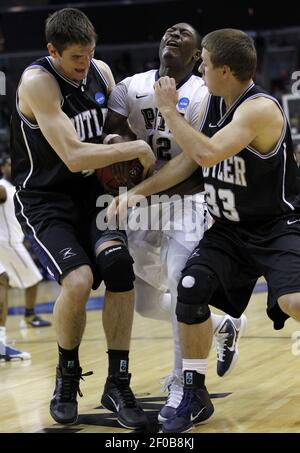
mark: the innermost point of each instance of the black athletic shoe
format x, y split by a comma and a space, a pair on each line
63, 406
118, 397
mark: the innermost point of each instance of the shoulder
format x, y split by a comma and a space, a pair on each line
37, 80
106, 71
102, 66
144, 77
259, 109
138, 82
36, 75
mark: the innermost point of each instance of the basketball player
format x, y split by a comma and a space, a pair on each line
61, 104
17, 268
161, 255
250, 172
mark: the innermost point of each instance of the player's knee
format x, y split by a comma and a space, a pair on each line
145, 299
195, 289
116, 268
4, 280
78, 283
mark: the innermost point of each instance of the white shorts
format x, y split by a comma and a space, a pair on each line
149, 248
16, 261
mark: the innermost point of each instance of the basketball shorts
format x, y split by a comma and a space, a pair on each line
62, 228
183, 224
239, 255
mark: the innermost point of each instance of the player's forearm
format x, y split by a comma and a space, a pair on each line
171, 174
195, 144
92, 156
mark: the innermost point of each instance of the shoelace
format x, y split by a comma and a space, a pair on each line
172, 384
168, 381
126, 393
70, 385
184, 407
221, 345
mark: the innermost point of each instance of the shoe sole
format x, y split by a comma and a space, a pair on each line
63, 422
13, 359
243, 327
178, 432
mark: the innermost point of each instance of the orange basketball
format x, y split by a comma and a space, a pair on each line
134, 174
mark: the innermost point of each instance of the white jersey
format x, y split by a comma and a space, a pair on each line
10, 230
134, 98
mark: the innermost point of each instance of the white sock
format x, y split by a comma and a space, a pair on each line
2, 334
165, 303
199, 365
216, 320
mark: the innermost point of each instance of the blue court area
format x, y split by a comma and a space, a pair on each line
96, 303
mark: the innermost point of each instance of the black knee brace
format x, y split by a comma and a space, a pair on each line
195, 289
116, 268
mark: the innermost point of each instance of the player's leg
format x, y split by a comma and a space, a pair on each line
7, 352
151, 302
24, 274
193, 314
280, 260
116, 269
206, 280
52, 224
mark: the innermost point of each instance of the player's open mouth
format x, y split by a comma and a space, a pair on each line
172, 43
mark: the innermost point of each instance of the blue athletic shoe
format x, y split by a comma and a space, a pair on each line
34, 321
195, 406
7, 353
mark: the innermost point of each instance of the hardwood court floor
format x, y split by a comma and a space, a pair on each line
262, 394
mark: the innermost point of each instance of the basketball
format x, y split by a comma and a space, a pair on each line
132, 169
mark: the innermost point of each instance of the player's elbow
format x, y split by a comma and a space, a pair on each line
203, 160
74, 164
206, 157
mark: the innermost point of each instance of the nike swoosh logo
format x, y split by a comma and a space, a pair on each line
212, 125
289, 222
141, 96
193, 417
232, 348
114, 403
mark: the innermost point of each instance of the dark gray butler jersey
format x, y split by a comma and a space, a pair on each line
35, 164
250, 186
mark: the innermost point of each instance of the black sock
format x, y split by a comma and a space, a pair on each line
192, 379
29, 311
68, 358
117, 362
